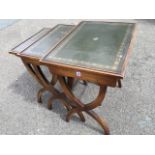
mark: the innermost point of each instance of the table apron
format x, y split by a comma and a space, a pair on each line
84, 75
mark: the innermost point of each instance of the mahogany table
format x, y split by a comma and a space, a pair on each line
92, 51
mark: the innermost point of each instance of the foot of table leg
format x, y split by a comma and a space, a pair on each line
71, 112
65, 104
81, 116
39, 94
95, 116
100, 121
68, 117
50, 103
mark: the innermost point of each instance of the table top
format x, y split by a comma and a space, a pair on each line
96, 45
91, 45
42, 42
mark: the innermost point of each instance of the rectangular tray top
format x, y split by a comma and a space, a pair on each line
95, 45
42, 42
31, 40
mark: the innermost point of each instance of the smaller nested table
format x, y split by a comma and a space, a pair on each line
36, 47
92, 51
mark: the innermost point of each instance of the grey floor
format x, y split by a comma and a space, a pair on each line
4, 23
130, 110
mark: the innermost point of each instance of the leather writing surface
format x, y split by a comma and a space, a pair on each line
97, 45
30, 40
40, 48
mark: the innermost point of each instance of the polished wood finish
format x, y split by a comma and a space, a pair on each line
81, 107
75, 67
87, 75
30, 41
67, 76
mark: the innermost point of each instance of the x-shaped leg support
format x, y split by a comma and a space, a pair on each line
80, 107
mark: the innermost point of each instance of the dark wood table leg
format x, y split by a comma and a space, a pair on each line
70, 81
76, 106
39, 94
66, 104
37, 73
81, 107
119, 84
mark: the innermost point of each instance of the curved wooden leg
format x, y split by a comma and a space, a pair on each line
75, 110
100, 121
36, 71
50, 103
39, 94
46, 84
54, 80
31, 70
119, 84
85, 83
71, 112
81, 107
81, 116
65, 104
70, 82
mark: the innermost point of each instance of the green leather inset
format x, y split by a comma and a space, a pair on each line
40, 48
97, 45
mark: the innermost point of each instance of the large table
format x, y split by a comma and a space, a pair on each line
92, 51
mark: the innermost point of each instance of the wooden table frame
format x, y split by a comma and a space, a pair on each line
66, 74
73, 105
100, 78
